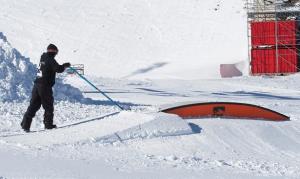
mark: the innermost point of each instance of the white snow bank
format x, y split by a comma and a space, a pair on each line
17, 74
123, 126
161, 126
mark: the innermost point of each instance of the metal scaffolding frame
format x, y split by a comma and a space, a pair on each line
272, 10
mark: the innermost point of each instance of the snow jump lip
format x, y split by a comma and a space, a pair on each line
226, 110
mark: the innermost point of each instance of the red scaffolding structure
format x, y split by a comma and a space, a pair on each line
273, 37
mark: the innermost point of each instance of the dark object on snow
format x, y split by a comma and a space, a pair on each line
48, 69
52, 47
52, 126
67, 65
27, 130
42, 94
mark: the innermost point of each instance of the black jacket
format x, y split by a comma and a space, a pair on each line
48, 69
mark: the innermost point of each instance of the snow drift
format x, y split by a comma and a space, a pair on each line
17, 74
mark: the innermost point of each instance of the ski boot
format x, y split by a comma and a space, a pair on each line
52, 126
25, 129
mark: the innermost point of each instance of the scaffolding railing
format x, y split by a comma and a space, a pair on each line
275, 11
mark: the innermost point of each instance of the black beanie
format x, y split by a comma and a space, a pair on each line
52, 47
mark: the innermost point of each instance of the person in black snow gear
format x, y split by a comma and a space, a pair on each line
42, 94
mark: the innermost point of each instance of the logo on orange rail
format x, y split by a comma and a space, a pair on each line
218, 111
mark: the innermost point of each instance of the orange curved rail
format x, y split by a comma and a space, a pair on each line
226, 110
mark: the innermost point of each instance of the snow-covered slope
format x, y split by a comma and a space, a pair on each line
220, 149
131, 38
184, 39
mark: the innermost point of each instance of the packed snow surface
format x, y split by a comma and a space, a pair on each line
217, 148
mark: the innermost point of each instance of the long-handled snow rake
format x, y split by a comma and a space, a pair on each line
95, 87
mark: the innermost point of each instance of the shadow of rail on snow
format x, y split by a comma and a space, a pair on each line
195, 128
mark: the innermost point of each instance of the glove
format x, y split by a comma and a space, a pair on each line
67, 65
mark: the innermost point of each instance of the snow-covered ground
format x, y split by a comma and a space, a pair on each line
215, 149
131, 38
146, 55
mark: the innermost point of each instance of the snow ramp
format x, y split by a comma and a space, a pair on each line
124, 126
162, 126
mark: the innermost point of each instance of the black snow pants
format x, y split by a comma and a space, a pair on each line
42, 95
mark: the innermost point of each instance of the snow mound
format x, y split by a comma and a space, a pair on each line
84, 132
66, 92
17, 74
162, 125
120, 127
